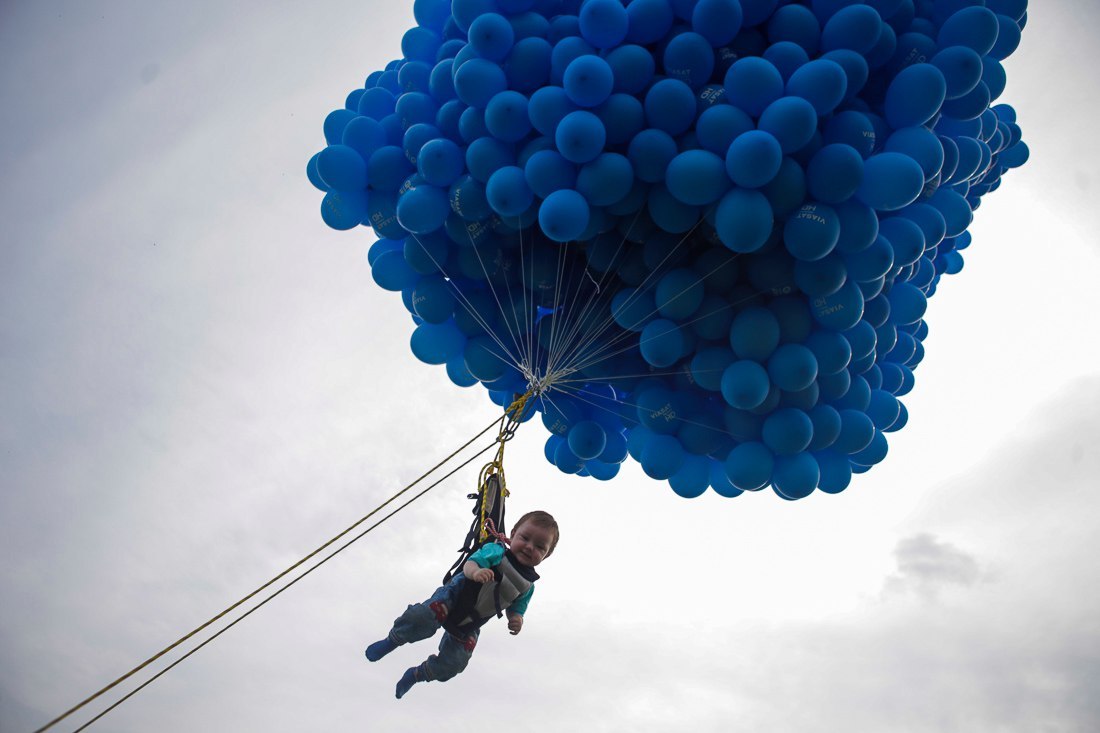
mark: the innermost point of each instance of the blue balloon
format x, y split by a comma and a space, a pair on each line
437, 343
915, 95
955, 210
791, 120
813, 232
749, 466
718, 21
1008, 38
392, 272
743, 220
587, 440
580, 136
753, 159
433, 299
633, 309
689, 58
603, 23
547, 171
650, 152
669, 103
344, 210
528, 65
826, 426
787, 190
834, 173
841, 310
754, 333
662, 343
633, 67
364, 135
752, 84
797, 24
697, 177
856, 431
796, 476
787, 431
720, 482
792, 367
720, 125
961, 68
563, 215
975, 28
856, 70
693, 477
906, 239
836, 471
341, 168
679, 294
491, 35
920, 144
605, 180
708, 365
820, 82
649, 21
423, 209
440, 162
891, 181
670, 213
787, 57
615, 450
874, 452
547, 107
907, 303
566, 460
588, 81
506, 116
745, 384
479, 80
856, 27
508, 193
662, 457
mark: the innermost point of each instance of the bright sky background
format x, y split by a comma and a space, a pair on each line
200, 383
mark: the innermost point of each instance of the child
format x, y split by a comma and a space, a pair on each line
494, 580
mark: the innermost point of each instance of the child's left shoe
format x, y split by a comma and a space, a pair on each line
379, 649
406, 682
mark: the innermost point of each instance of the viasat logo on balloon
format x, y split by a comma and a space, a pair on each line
381, 221
822, 307
808, 212
712, 94
666, 413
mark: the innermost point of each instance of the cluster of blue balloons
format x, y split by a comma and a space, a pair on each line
707, 229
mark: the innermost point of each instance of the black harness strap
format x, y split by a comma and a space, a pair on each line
489, 502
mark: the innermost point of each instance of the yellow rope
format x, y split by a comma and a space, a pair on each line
512, 416
502, 435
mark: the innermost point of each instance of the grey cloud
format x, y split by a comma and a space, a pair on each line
926, 565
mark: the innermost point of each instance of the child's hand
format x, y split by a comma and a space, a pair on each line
481, 575
515, 623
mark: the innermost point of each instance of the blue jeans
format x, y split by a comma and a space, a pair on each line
422, 620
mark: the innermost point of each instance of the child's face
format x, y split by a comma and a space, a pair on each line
531, 543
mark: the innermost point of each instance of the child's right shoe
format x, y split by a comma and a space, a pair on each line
379, 649
406, 682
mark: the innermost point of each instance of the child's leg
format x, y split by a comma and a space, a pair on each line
419, 621
422, 620
454, 654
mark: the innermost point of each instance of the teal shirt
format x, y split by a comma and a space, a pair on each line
489, 556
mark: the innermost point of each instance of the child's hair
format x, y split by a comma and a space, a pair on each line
541, 519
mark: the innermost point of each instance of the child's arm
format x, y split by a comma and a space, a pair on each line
515, 622
476, 573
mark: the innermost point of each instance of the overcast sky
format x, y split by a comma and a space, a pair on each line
200, 383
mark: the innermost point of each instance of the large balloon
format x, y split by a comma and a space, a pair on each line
703, 233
